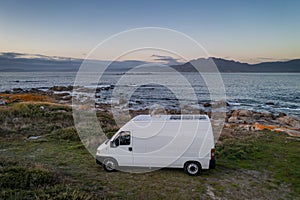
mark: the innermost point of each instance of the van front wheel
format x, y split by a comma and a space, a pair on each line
192, 168
109, 165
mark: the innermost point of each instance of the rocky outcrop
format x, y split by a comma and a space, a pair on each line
252, 121
17, 90
241, 117
61, 88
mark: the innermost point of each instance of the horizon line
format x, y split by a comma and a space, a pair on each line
18, 55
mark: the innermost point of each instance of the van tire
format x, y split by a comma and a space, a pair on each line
192, 168
110, 165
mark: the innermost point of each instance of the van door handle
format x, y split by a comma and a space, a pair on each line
130, 148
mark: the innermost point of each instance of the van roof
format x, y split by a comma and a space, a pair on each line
170, 117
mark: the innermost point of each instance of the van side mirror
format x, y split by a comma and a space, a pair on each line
112, 144
115, 143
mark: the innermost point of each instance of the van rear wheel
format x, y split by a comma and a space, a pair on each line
109, 165
192, 168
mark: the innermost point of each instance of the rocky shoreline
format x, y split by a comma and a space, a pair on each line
243, 120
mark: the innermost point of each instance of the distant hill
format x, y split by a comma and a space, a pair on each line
18, 62
234, 66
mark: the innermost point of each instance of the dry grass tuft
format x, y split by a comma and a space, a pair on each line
10, 98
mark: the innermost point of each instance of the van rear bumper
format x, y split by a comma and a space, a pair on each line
212, 164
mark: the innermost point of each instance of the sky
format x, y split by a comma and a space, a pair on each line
247, 31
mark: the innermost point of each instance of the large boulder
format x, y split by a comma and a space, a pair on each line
270, 103
244, 113
235, 120
257, 116
241, 113
207, 104
281, 114
17, 90
235, 113
61, 88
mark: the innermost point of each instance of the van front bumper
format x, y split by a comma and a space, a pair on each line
99, 160
212, 164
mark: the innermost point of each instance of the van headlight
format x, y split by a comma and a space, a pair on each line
98, 151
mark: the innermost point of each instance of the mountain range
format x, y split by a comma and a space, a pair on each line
18, 62
234, 66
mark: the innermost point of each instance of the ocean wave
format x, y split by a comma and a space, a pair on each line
287, 108
233, 103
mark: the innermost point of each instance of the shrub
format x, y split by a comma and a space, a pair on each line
69, 134
17, 176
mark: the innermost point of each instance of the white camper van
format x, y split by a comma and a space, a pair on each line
174, 141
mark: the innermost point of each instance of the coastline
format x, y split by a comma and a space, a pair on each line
273, 93
241, 119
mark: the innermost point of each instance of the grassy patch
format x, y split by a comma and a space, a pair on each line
21, 180
268, 150
69, 134
34, 119
57, 166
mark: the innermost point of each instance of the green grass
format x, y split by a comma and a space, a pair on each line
22, 180
76, 173
57, 166
34, 119
271, 151
69, 134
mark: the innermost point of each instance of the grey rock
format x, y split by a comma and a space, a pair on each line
256, 116
66, 98
17, 90
33, 137
61, 88
3, 103
281, 114
244, 113
235, 120
270, 103
207, 104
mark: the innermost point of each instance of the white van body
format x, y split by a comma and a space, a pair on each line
161, 141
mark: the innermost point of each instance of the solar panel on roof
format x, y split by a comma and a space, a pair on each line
169, 117
187, 117
199, 117
175, 117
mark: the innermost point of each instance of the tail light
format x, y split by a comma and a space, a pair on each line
212, 153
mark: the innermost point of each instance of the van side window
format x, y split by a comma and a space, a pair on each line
124, 138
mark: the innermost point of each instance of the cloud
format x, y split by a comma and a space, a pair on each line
12, 61
15, 55
169, 60
272, 59
10, 55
